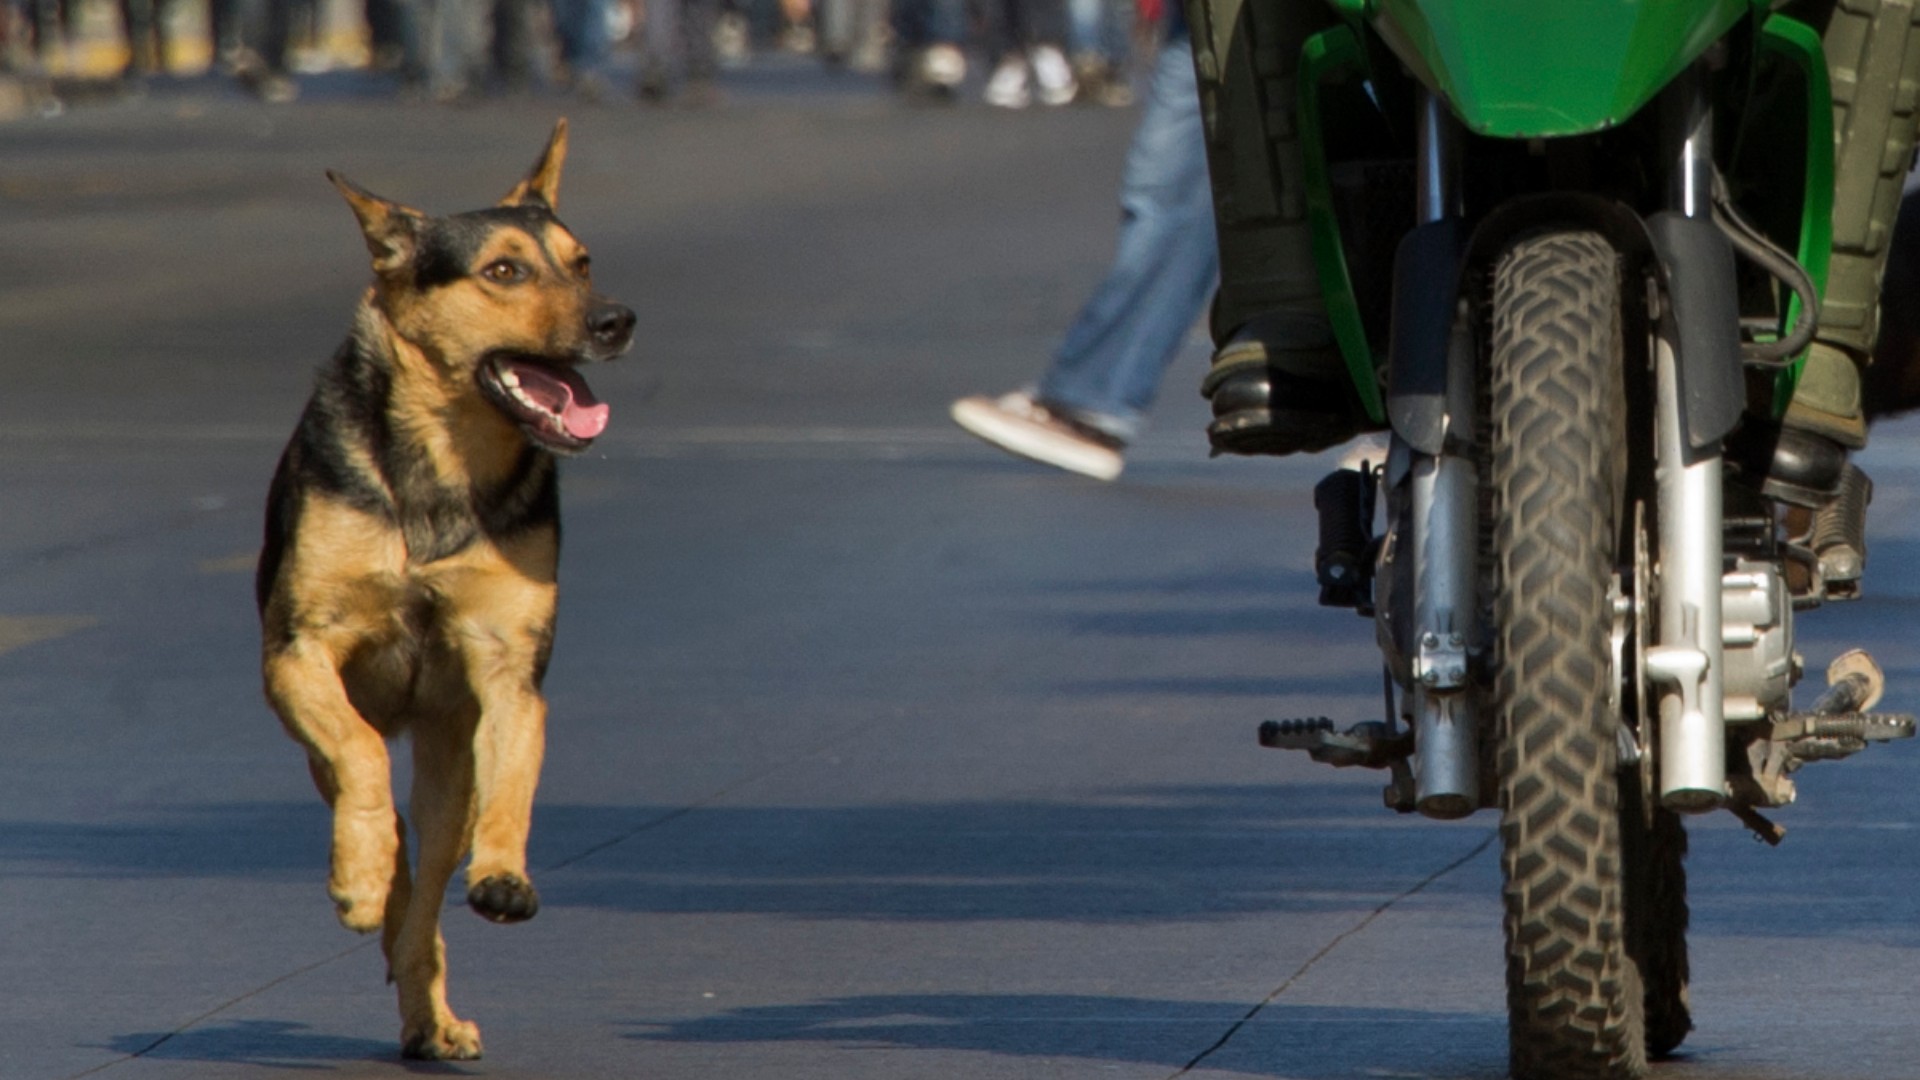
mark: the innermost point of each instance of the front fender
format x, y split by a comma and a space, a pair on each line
1527, 69
1691, 260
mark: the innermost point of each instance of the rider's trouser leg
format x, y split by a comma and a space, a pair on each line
1278, 384
1873, 61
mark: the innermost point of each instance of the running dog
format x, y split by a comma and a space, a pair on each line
407, 582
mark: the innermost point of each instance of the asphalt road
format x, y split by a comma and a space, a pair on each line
874, 754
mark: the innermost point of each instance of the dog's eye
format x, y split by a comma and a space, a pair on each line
504, 272
583, 266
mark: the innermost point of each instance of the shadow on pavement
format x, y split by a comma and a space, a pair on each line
1300, 1043
1272, 621
1274, 692
1139, 855
1174, 853
1267, 581
206, 841
1155, 854
272, 1044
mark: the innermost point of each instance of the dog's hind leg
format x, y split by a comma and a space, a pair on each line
442, 811
350, 766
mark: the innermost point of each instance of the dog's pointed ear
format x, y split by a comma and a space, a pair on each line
542, 185
392, 230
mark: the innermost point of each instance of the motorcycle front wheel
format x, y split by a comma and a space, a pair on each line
1557, 469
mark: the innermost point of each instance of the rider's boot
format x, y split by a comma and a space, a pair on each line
1278, 384
1822, 426
1277, 387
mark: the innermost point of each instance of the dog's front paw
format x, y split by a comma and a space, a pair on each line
451, 1040
504, 898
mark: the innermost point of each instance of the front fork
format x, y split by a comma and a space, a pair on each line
1446, 611
1446, 521
1686, 663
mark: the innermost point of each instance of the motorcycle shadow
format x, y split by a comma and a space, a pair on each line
1292, 1042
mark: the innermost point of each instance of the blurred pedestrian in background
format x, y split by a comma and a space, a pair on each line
147, 39
584, 35
1100, 46
1024, 39
677, 54
386, 33
852, 34
519, 40
264, 30
456, 40
1094, 397
929, 38
461, 50
47, 22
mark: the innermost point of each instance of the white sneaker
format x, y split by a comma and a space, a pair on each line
943, 66
732, 41
1020, 425
1007, 89
1054, 76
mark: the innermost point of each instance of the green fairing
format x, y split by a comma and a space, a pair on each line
1329, 54
1522, 69
1799, 44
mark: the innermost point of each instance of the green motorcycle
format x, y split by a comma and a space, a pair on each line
1573, 254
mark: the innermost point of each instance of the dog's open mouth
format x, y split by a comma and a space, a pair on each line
551, 403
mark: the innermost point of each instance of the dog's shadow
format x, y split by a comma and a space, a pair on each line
280, 1045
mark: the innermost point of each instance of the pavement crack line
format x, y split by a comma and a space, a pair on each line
1327, 950
223, 1007
712, 797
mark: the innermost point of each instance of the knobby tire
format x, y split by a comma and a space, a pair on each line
1574, 998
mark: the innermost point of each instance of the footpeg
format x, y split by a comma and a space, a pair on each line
1368, 745
1838, 726
1831, 736
1372, 744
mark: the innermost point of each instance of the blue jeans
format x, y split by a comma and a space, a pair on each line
1108, 369
920, 23
1014, 26
1102, 28
581, 26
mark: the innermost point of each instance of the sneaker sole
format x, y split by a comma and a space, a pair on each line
1035, 443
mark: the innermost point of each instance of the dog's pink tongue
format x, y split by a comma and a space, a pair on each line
585, 416
566, 395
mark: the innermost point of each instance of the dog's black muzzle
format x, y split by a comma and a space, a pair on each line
609, 327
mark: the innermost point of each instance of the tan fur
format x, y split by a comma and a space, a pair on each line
361, 668
364, 642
